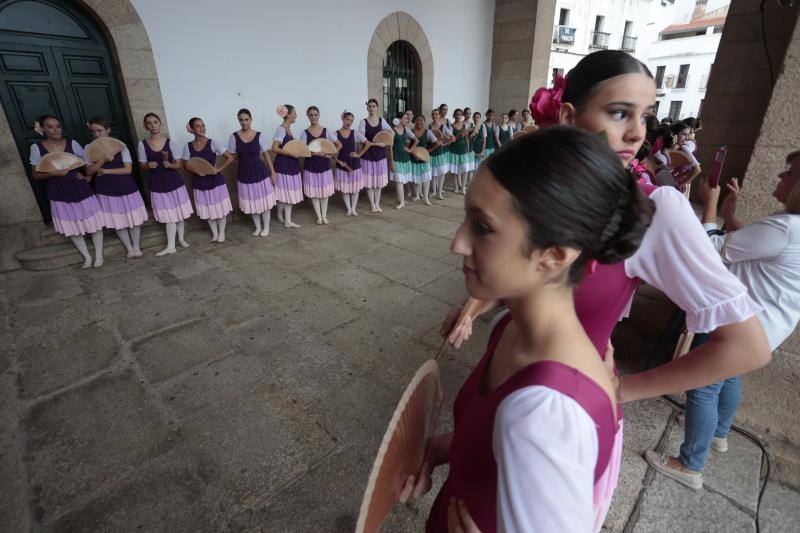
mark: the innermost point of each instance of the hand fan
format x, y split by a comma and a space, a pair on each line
322, 147
103, 147
385, 137
201, 167
437, 134
297, 149
524, 131
420, 154
55, 161
404, 446
678, 158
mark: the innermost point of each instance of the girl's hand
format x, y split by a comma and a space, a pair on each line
394, 168
152, 164
418, 485
217, 170
456, 335
101, 172
83, 177
459, 519
354, 154
728, 207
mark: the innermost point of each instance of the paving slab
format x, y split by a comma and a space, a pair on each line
24, 288
91, 436
449, 288
780, 509
146, 313
50, 320
631, 482
644, 422
15, 493
343, 278
48, 363
165, 495
403, 267
416, 241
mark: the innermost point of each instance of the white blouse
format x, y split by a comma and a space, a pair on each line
280, 134
362, 126
677, 258
359, 137
216, 147
329, 134
140, 151
765, 256
36, 156
263, 143
545, 445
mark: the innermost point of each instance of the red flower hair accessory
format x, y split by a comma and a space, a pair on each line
282, 111
546, 103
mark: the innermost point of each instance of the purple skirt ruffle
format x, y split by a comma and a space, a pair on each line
348, 182
288, 188
120, 212
376, 173
256, 197
77, 218
212, 203
318, 184
172, 206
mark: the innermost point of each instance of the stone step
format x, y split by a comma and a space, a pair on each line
60, 252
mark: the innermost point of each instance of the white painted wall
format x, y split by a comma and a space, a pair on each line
214, 59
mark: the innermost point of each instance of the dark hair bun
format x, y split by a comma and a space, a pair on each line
626, 228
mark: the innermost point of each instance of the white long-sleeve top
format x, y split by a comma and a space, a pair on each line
765, 256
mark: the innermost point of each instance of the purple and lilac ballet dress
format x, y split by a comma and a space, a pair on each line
317, 174
373, 162
211, 198
348, 181
288, 181
120, 200
168, 197
253, 183
73, 203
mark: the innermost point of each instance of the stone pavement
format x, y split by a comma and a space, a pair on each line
246, 387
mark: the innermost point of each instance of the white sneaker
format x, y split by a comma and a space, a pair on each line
718, 444
660, 461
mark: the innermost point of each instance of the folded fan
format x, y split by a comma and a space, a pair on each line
322, 147
384, 138
297, 149
201, 167
57, 161
524, 131
103, 148
404, 446
421, 154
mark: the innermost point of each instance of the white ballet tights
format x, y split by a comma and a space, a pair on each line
400, 199
126, 241
136, 233
317, 209
172, 228
438, 186
350, 202
130, 239
287, 216
257, 221
426, 187
97, 241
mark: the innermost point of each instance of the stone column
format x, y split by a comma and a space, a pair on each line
17, 203
523, 32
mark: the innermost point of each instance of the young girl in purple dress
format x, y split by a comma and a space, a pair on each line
120, 200
317, 174
373, 163
288, 180
168, 197
347, 177
256, 176
73, 203
211, 198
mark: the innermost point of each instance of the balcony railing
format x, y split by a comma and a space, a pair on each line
628, 44
564, 35
599, 40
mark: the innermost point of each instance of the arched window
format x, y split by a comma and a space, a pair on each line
402, 80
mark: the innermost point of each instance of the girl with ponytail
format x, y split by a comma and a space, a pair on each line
611, 94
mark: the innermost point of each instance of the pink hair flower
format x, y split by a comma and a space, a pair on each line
546, 103
282, 111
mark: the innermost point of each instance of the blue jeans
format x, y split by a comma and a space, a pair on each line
709, 413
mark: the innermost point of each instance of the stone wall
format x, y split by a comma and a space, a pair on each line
523, 31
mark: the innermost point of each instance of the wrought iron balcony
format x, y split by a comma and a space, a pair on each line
599, 40
628, 44
564, 35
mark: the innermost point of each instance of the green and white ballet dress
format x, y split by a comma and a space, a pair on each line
491, 144
400, 171
421, 170
440, 158
461, 158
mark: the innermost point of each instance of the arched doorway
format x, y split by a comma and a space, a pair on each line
55, 59
400, 65
402, 80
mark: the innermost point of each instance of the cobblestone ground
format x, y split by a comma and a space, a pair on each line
246, 387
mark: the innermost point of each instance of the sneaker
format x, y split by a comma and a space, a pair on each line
660, 461
718, 444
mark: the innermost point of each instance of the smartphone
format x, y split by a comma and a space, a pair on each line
716, 170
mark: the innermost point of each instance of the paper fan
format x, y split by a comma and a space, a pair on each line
420, 154
201, 167
103, 147
297, 149
322, 147
437, 134
55, 161
524, 131
404, 446
678, 158
384, 138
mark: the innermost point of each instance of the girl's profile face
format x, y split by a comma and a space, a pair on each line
490, 117
153, 125
526, 114
788, 180
492, 240
419, 122
199, 128
476, 117
245, 121
683, 135
409, 117
372, 108
619, 107
313, 116
292, 116
504, 119
52, 128
347, 122
98, 131
435, 114
443, 111
458, 115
